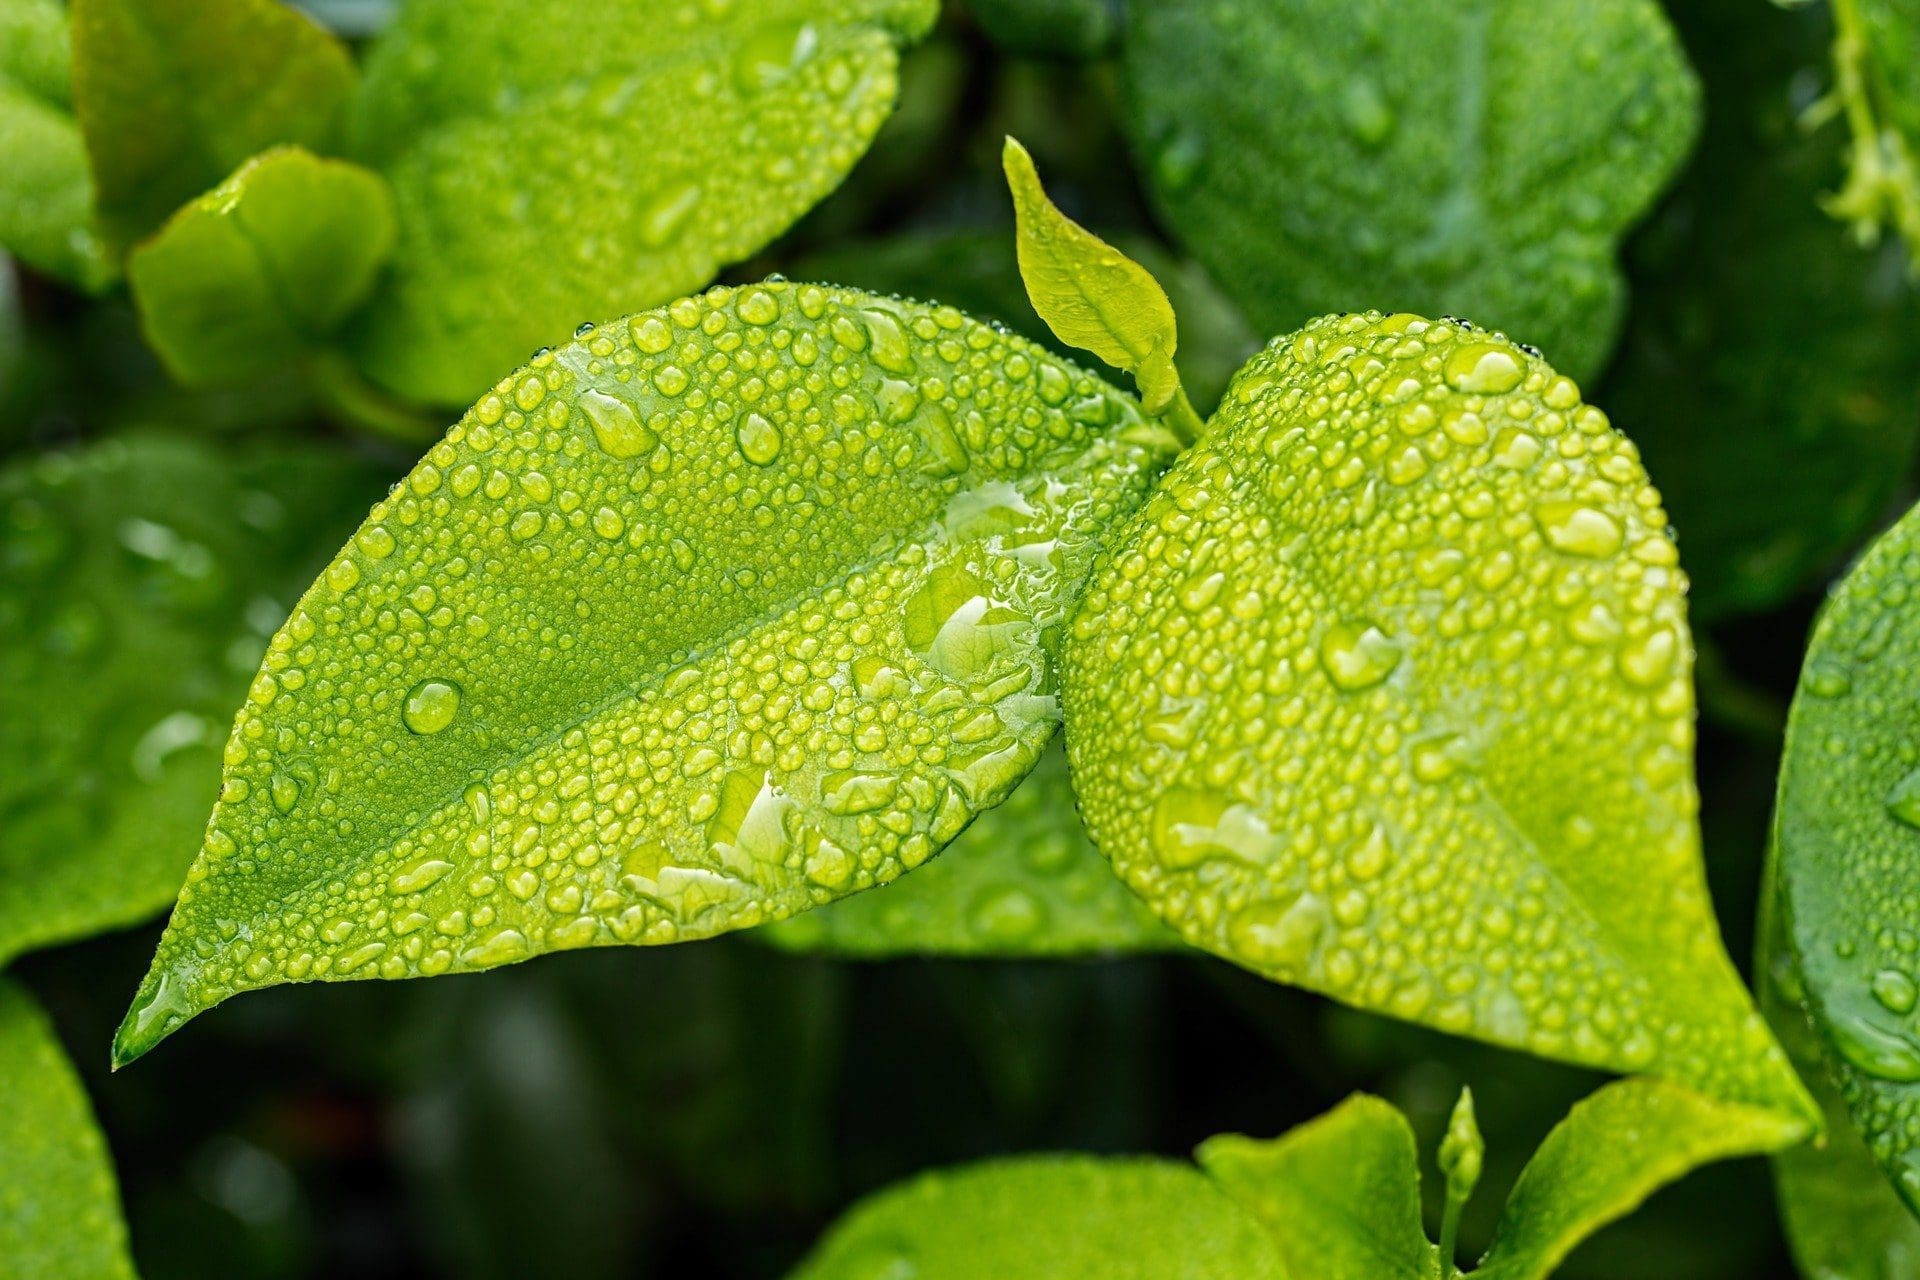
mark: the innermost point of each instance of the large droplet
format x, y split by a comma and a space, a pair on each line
1903, 802
431, 706
1578, 530
1486, 367
616, 427
1880, 1053
1357, 655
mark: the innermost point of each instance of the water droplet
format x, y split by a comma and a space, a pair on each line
667, 213
1279, 935
616, 427
1903, 802
1894, 990
1486, 367
1192, 827
759, 439
1008, 914
431, 706
1357, 655
1366, 112
1880, 1053
1578, 530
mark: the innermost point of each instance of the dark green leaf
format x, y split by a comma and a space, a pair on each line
138, 583
557, 162
59, 1208
46, 190
174, 94
260, 269
1479, 159
1068, 30
708, 617
1433, 755
1023, 880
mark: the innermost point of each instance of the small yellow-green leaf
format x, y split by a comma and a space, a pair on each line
1023, 880
1613, 1150
556, 161
1090, 294
709, 616
174, 94
46, 189
139, 581
1847, 841
59, 1207
1059, 1217
260, 269
1340, 1195
1433, 756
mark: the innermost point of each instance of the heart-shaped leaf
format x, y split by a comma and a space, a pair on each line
1846, 840
1385, 692
59, 1208
175, 94
557, 162
46, 189
710, 616
260, 269
139, 581
1481, 160
1023, 880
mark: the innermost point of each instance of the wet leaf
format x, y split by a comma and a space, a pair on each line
59, 1208
1023, 880
259, 270
174, 94
515, 135
709, 616
1770, 370
139, 580
1846, 831
1090, 294
1049, 1218
46, 189
1481, 160
1435, 756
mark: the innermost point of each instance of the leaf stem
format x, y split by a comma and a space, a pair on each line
1450, 1236
1182, 418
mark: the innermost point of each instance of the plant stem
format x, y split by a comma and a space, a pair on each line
1449, 1236
1182, 419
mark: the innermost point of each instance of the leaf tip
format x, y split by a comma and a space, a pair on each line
160, 1008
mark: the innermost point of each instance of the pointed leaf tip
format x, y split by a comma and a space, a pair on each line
1090, 294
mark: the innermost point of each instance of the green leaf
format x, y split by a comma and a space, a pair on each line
139, 580
1481, 159
1613, 1150
1090, 294
1023, 880
260, 269
1340, 1195
1067, 30
46, 193
1770, 372
174, 94
1846, 830
59, 1208
1437, 760
1841, 1216
1876, 58
555, 162
1048, 1218
977, 271
707, 617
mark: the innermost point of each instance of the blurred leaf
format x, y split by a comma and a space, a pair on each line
789, 689
1067, 30
559, 162
1091, 295
976, 271
1048, 1218
174, 94
1340, 1195
351, 17
260, 269
1023, 880
138, 582
1877, 61
1840, 1214
46, 190
1434, 756
1480, 159
1846, 833
59, 1208
1770, 371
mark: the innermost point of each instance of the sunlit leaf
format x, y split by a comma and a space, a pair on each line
46, 190
1049, 1218
261, 268
1385, 692
1846, 833
1023, 880
139, 580
1478, 158
1770, 369
174, 94
561, 162
710, 616
59, 1207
